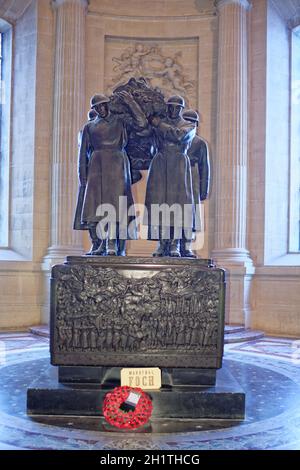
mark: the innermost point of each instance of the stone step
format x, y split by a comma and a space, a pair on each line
40, 330
243, 336
233, 333
229, 329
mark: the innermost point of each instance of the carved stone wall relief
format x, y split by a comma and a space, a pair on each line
170, 65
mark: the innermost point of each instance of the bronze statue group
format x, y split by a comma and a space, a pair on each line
178, 174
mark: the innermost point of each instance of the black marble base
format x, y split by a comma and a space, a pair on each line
155, 426
225, 400
110, 376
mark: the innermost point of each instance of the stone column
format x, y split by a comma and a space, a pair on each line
68, 118
231, 166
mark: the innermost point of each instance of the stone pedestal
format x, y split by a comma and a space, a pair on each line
225, 400
110, 376
114, 312
137, 312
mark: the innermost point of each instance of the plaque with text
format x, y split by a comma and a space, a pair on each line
145, 378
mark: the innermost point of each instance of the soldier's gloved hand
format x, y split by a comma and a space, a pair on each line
125, 97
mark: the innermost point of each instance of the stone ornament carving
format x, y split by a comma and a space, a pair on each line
98, 310
162, 71
243, 3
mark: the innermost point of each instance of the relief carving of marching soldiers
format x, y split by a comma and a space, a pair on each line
170, 310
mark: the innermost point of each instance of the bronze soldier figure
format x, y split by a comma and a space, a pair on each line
78, 225
169, 180
104, 171
199, 157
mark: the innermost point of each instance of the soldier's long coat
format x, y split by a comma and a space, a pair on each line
104, 164
199, 157
169, 179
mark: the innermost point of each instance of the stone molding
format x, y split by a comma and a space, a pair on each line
59, 3
243, 3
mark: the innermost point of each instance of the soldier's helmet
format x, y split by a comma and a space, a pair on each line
176, 100
92, 114
98, 99
191, 115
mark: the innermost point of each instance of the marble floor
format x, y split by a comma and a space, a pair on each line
268, 370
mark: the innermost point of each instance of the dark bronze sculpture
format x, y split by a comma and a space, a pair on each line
169, 181
139, 302
78, 225
199, 157
171, 316
136, 122
141, 146
104, 170
137, 142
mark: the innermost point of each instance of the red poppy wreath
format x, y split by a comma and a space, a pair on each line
127, 407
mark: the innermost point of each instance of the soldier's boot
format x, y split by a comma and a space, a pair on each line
161, 249
121, 247
182, 247
188, 252
101, 250
111, 247
95, 241
175, 248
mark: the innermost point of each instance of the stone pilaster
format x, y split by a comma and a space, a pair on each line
68, 118
231, 167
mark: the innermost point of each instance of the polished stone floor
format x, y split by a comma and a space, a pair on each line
267, 369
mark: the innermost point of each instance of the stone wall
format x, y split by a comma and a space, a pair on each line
21, 288
275, 292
